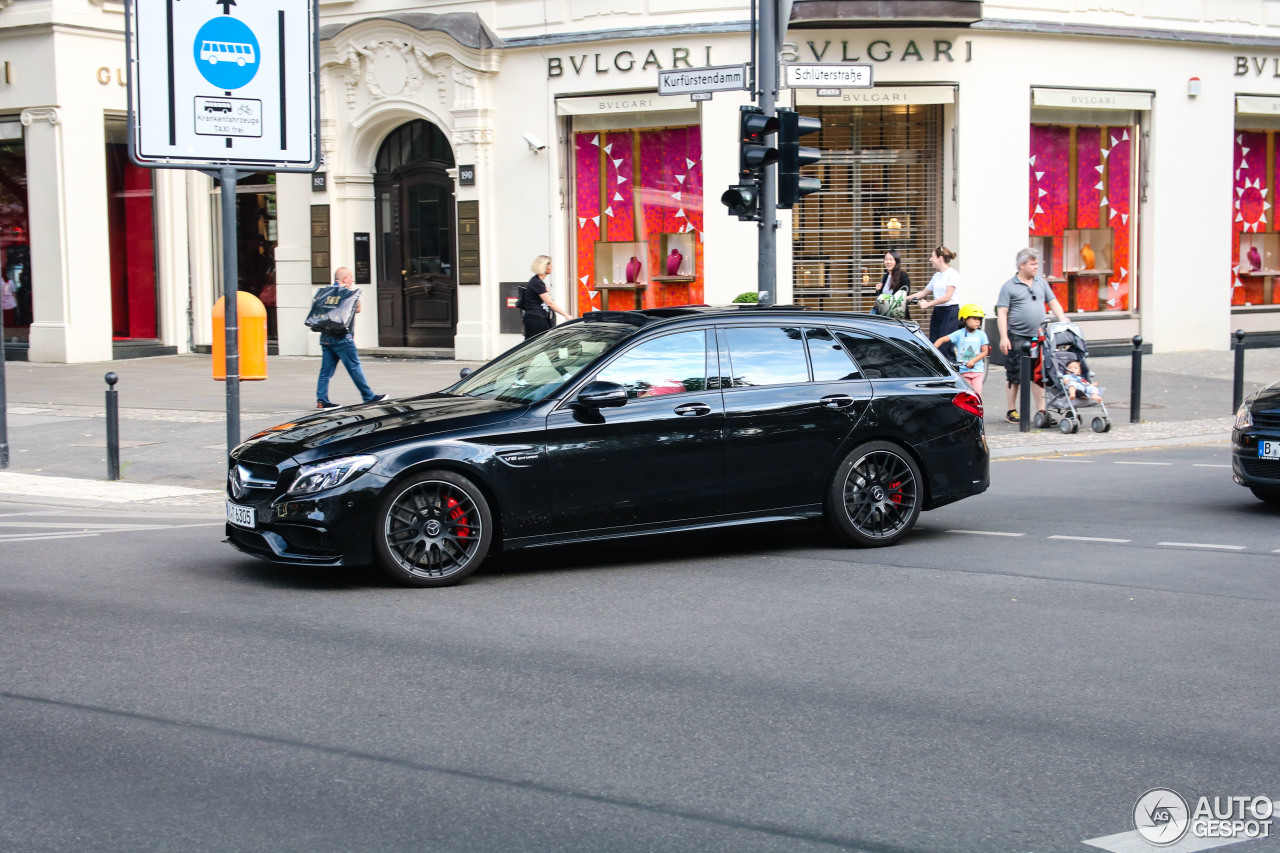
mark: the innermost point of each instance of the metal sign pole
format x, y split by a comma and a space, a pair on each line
767, 97
227, 176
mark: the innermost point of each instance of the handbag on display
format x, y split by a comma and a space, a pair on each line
333, 311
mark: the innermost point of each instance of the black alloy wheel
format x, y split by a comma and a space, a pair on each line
874, 498
433, 529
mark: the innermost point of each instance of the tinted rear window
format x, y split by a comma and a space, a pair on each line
883, 359
829, 359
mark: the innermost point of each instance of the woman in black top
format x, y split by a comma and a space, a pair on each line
894, 279
536, 304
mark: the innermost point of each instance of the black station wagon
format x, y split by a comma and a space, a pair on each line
618, 424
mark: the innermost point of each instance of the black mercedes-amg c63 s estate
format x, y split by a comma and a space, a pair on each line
618, 424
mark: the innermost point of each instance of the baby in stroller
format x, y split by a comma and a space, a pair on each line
1077, 386
1068, 381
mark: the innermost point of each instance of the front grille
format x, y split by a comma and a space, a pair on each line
1269, 420
257, 482
1263, 469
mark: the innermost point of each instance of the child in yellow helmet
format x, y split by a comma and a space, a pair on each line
971, 346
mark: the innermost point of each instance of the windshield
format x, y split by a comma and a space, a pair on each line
540, 367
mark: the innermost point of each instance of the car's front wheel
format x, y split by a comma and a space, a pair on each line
874, 498
433, 529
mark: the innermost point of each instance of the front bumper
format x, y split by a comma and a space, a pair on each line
331, 528
1246, 468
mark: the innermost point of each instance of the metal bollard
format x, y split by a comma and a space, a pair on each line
113, 428
1024, 388
1237, 391
1135, 382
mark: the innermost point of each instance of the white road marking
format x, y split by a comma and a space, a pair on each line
986, 533
1207, 465
37, 537
1143, 463
1056, 459
1092, 539
75, 526
1203, 545
94, 529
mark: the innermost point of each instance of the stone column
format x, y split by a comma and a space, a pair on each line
293, 262
477, 335
70, 252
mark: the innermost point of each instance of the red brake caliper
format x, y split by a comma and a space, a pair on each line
897, 494
459, 517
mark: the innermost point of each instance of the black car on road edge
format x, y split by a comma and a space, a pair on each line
618, 424
1255, 444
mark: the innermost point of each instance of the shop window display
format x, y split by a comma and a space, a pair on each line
638, 209
1255, 245
15, 246
131, 235
1081, 213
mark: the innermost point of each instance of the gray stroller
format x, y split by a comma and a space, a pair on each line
1062, 344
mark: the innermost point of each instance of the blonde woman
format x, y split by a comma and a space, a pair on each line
536, 304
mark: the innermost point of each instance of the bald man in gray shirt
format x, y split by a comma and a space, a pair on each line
1020, 310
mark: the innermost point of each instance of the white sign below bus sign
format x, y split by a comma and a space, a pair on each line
827, 76
687, 81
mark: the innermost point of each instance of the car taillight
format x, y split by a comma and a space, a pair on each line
969, 402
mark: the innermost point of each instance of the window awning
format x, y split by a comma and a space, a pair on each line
878, 96
1090, 99
603, 104
1257, 105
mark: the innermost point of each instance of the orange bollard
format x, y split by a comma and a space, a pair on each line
251, 316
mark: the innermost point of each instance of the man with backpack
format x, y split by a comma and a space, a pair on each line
340, 346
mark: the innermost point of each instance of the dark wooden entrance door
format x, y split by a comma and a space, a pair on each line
417, 275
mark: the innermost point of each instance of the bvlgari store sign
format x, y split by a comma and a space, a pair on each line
601, 104
880, 96
1091, 99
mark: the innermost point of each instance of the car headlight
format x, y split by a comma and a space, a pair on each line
1244, 418
333, 472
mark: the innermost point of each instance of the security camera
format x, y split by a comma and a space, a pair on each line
535, 144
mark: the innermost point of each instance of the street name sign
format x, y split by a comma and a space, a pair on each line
829, 75
717, 78
216, 83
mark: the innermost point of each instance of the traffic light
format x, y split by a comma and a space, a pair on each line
754, 156
743, 200
792, 155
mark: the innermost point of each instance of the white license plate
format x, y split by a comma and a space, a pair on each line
241, 516
1269, 449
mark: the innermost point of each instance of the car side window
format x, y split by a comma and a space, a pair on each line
881, 359
829, 359
672, 364
765, 355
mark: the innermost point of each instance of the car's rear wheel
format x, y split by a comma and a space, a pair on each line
1271, 496
433, 529
874, 498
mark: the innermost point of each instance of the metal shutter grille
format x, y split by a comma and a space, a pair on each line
879, 164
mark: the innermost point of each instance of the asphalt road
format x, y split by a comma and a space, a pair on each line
982, 687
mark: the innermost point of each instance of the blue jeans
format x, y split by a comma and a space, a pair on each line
333, 350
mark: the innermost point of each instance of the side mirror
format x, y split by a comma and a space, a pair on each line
601, 395
465, 372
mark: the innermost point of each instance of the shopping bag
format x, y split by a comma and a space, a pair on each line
333, 311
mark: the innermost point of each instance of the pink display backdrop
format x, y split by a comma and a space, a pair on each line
587, 210
1104, 172
638, 198
1252, 210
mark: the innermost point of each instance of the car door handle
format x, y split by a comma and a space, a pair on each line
693, 410
837, 401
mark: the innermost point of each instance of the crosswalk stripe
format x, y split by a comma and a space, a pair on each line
1091, 539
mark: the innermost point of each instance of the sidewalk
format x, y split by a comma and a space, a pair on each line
173, 428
